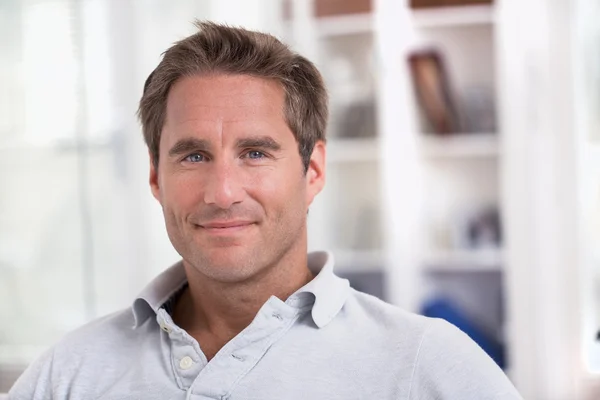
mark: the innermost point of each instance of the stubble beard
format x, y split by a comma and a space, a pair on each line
231, 264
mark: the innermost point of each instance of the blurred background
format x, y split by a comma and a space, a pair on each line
463, 166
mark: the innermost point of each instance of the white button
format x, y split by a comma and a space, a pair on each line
164, 327
186, 363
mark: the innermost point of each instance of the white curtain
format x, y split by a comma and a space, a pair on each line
80, 233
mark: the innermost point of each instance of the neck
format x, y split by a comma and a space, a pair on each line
217, 311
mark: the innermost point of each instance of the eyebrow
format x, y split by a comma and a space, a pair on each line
188, 145
263, 142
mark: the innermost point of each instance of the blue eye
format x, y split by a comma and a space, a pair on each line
195, 158
255, 155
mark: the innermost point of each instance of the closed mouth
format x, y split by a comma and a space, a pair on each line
226, 224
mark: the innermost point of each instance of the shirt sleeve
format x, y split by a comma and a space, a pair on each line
36, 382
450, 365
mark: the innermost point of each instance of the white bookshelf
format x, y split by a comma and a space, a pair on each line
458, 171
453, 16
345, 25
463, 145
352, 150
346, 217
358, 260
538, 58
484, 260
436, 184
422, 177
392, 172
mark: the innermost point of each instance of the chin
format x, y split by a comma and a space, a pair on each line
227, 264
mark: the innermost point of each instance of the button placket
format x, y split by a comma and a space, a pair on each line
238, 357
163, 323
186, 363
165, 327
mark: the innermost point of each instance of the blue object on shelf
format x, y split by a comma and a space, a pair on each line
444, 309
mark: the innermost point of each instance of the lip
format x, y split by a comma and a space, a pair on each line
225, 225
226, 228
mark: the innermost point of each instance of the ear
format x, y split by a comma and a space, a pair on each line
154, 185
315, 175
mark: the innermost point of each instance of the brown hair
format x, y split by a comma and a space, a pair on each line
222, 49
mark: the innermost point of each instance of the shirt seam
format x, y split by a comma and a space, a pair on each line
178, 378
266, 349
414, 371
52, 383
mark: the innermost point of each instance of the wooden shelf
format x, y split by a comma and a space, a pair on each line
443, 17
462, 145
345, 25
488, 260
352, 150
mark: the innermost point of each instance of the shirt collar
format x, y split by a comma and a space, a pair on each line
329, 291
157, 292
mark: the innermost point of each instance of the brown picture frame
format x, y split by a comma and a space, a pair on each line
433, 92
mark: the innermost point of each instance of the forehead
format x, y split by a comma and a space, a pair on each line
224, 99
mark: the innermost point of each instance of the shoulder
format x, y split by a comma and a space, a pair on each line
96, 342
451, 365
438, 359
111, 326
79, 353
375, 327
103, 333
372, 311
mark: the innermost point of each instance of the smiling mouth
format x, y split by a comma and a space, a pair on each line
226, 227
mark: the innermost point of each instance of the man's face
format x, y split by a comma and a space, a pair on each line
230, 178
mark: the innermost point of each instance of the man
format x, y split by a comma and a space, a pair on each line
235, 126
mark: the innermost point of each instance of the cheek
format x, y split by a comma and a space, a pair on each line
278, 188
182, 192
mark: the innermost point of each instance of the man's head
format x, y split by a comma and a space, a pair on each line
218, 49
235, 126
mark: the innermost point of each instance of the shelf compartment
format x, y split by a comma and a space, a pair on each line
463, 145
352, 150
349, 260
345, 25
442, 17
464, 260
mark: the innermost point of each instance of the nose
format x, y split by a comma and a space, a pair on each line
224, 186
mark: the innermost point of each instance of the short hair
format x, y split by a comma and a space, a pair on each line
221, 49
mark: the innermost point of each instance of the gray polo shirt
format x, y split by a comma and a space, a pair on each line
327, 341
